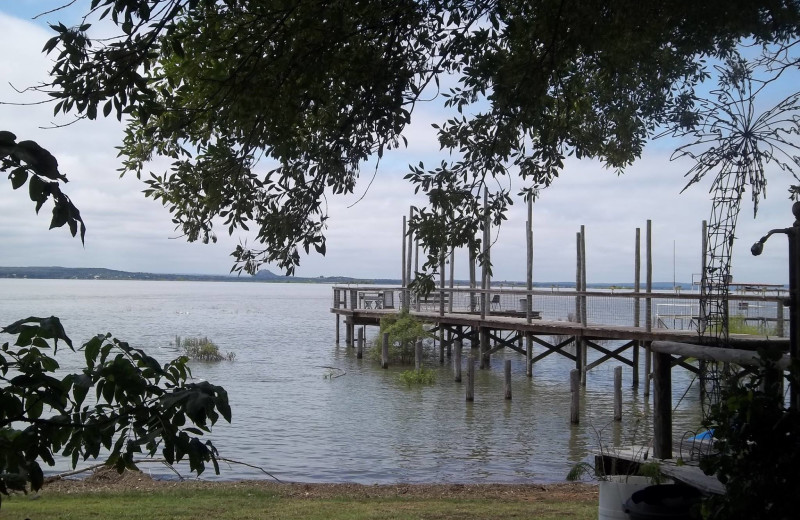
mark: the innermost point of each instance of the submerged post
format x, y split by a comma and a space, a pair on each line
470, 378
508, 380
637, 271
617, 393
528, 354
575, 394
360, 349
457, 362
385, 351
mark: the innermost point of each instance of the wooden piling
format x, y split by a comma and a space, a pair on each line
441, 347
577, 277
529, 264
471, 378
528, 354
649, 301
637, 270
452, 277
441, 284
575, 394
662, 406
484, 340
337, 328
485, 264
617, 393
348, 331
648, 359
360, 348
583, 277
418, 355
508, 380
457, 362
403, 280
472, 283
385, 351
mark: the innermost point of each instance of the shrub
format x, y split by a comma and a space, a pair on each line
423, 376
202, 349
404, 330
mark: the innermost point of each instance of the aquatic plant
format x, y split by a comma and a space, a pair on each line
202, 349
423, 376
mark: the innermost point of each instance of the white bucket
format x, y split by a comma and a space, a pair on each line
615, 491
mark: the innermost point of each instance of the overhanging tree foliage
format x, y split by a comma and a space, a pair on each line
136, 406
266, 106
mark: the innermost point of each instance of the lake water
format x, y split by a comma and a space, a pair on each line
365, 426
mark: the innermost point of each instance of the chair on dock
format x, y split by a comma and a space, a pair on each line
496, 302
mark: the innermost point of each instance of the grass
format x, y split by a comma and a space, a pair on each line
244, 502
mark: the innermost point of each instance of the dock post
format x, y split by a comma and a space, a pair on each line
385, 351
662, 406
403, 281
578, 312
648, 360
472, 299
617, 393
470, 378
637, 311
484, 340
418, 355
441, 346
452, 275
337, 328
360, 348
584, 344
348, 331
449, 343
528, 354
529, 265
508, 380
485, 282
649, 301
575, 394
457, 362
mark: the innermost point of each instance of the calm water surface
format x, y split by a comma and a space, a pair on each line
364, 426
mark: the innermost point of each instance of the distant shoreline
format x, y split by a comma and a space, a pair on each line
264, 276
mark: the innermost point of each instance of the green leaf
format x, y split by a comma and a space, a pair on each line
18, 177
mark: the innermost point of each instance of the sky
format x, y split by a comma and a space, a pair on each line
126, 231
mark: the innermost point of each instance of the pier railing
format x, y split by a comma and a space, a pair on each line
749, 313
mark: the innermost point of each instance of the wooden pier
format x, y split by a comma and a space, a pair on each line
551, 322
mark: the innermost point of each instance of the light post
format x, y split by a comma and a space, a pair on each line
794, 290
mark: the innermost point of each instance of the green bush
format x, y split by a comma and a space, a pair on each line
404, 330
202, 349
423, 376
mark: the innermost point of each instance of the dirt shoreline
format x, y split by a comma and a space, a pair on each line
109, 481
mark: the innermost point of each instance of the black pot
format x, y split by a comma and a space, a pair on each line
663, 502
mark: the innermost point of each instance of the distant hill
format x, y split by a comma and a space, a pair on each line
97, 273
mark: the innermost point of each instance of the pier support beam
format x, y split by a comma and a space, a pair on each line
484, 342
457, 362
508, 379
470, 378
617, 393
575, 394
662, 406
385, 351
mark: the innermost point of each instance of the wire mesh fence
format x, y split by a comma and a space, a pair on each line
753, 314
